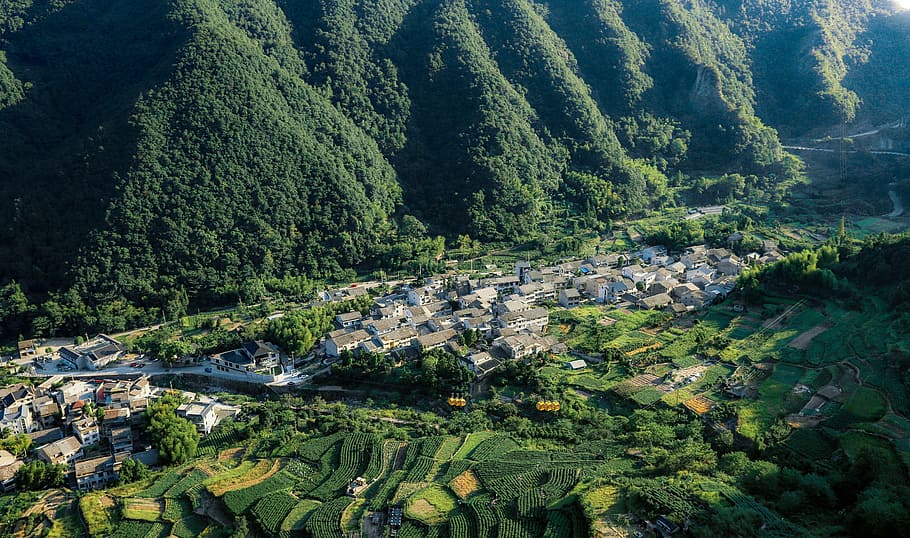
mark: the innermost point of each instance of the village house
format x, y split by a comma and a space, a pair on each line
435, 340
483, 323
694, 258
348, 320
9, 464
26, 348
698, 299
519, 346
569, 298
115, 418
202, 415
730, 266
87, 431
250, 357
479, 298
649, 253
17, 419
502, 284
97, 472
481, 364
343, 295
92, 355
121, 440
701, 277
335, 346
46, 411
64, 451
661, 300
421, 296
397, 339
613, 292
537, 293
74, 391
535, 319
382, 326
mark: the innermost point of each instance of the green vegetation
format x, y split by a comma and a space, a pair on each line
175, 437
366, 135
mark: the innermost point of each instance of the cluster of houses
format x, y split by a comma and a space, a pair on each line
653, 279
510, 311
91, 426
510, 321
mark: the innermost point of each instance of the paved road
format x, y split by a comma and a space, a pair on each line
828, 150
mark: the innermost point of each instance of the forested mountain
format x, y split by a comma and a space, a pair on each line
186, 150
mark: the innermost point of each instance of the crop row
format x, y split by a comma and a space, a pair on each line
217, 441
161, 485
418, 472
239, 501
194, 494
429, 446
456, 467
314, 449
484, 516
519, 528
176, 509
272, 509
411, 530
560, 480
377, 459
461, 526
532, 503
388, 488
526, 456
325, 521
189, 527
192, 479
133, 529
558, 525
511, 486
495, 446
296, 519
351, 463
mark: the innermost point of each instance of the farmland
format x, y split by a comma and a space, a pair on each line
528, 485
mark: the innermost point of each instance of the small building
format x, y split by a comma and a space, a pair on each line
17, 419
435, 340
481, 364
349, 320
94, 354
569, 298
335, 346
115, 418
577, 364
202, 415
535, 319
64, 451
87, 431
661, 300
121, 440
27, 348
9, 464
97, 472
250, 357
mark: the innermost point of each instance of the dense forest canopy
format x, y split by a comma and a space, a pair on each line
185, 151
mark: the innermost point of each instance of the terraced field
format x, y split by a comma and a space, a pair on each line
448, 486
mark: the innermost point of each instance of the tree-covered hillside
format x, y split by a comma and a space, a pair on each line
181, 150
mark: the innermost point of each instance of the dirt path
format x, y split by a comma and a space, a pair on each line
399, 458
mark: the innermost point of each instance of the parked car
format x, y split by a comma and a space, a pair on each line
208, 369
